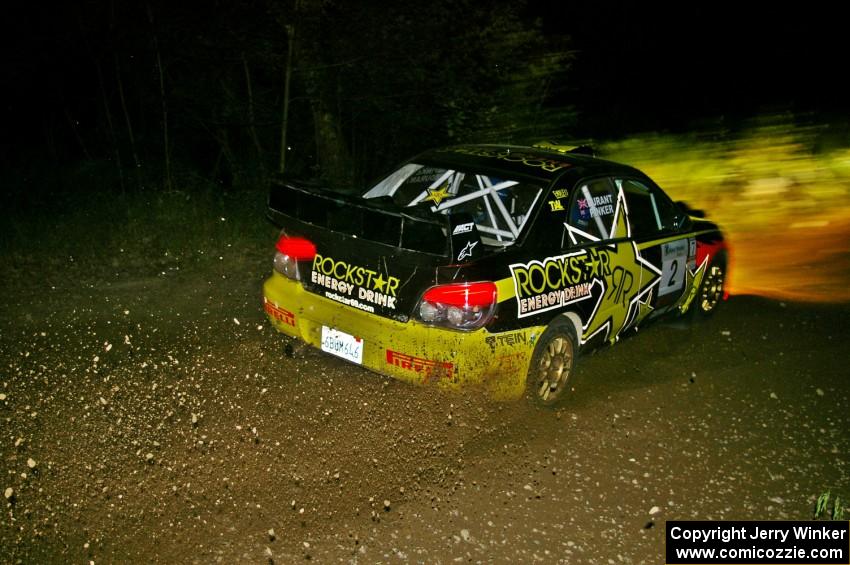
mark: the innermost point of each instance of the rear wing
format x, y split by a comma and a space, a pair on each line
378, 219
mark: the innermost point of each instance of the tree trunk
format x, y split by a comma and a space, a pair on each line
129, 124
251, 122
166, 147
110, 128
331, 150
72, 123
332, 153
284, 122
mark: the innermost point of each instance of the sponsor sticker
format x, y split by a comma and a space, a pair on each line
463, 228
351, 284
467, 250
437, 195
595, 207
557, 281
429, 369
505, 339
278, 313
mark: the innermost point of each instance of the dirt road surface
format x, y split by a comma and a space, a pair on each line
157, 419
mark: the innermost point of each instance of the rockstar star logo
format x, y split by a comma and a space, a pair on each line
379, 283
437, 195
693, 280
628, 283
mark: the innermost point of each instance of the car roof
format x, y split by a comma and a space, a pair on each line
517, 160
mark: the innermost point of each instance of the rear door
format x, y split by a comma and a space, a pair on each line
597, 231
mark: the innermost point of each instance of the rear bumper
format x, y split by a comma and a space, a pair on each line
409, 351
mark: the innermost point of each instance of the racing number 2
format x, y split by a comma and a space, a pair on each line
673, 257
674, 282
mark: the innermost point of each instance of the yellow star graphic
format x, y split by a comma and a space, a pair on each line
379, 283
594, 263
693, 280
437, 195
642, 310
629, 278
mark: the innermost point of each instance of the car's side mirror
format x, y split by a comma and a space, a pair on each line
688, 211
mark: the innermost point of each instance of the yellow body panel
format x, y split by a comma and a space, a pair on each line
496, 363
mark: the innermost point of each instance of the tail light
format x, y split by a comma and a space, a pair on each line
461, 306
290, 250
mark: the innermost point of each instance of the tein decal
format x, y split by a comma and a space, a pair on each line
278, 313
342, 278
425, 366
506, 339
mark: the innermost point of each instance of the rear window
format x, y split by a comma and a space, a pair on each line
500, 207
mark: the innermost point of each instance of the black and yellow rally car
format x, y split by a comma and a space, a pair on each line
485, 265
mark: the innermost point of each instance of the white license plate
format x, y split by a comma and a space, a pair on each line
342, 345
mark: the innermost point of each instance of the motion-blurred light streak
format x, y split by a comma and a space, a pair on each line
778, 190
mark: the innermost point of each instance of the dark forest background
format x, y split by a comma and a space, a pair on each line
201, 102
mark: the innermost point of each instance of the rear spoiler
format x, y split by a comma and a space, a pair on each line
378, 219
577, 149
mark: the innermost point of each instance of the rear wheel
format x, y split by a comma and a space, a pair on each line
712, 288
550, 375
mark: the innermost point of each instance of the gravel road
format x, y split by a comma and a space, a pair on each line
157, 419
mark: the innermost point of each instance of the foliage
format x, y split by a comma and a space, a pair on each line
822, 509
409, 76
388, 80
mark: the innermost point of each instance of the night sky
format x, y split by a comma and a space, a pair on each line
636, 68
652, 68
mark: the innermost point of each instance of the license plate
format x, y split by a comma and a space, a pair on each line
342, 345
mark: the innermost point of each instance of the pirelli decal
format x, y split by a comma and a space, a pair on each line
280, 314
429, 369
